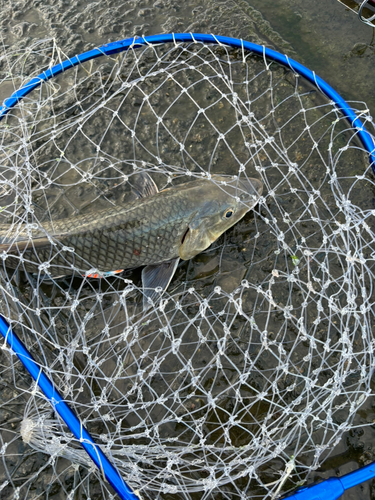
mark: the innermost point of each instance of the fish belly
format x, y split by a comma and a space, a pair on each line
99, 252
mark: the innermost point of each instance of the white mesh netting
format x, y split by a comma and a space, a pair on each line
260, 354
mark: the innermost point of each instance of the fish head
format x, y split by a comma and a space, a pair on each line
220, 204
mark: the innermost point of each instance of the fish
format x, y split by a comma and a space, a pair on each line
155, 230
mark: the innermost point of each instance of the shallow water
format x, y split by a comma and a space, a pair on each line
319, 34
330, 40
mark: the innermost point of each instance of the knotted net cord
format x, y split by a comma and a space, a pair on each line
242, 379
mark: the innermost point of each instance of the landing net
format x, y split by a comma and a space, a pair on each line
257, 359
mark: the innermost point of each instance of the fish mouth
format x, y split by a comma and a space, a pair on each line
249, 190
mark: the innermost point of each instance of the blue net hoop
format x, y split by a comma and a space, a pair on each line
137, 42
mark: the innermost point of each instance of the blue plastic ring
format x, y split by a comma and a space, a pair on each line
136, 42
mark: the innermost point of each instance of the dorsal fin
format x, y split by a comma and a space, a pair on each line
143, 185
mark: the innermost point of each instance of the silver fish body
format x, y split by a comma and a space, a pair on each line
158, 227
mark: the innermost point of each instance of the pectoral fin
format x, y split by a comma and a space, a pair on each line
143, 185
154, 276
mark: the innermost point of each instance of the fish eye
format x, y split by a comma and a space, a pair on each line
228, 213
